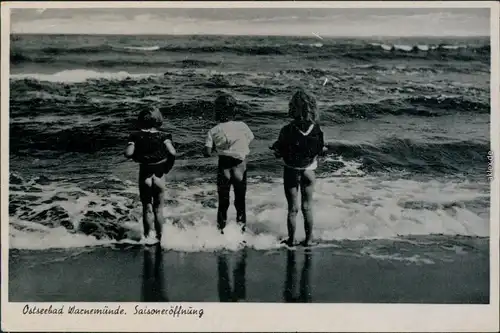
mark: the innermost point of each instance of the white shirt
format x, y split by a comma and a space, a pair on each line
231, 139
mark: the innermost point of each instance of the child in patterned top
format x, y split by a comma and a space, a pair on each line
231, 140
155, 153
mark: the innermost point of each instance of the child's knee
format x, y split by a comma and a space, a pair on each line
148, 207
157, 204
158, 184
306, 207
293, 209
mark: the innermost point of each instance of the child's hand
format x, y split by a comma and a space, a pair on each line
275, 151
323, 151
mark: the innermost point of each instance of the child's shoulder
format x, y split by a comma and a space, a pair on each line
288, 127
237, 123
165, 135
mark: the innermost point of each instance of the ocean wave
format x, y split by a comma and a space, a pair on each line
423, 106
46, 213
411, 155
309, 50
78, 75
138, 48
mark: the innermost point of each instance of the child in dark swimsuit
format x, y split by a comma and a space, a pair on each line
155, 153
299, 144
231, 140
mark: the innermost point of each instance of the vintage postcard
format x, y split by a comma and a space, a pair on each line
200, 166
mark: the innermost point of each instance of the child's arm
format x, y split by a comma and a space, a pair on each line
321, 144
170, 146
171, 150
277, 146
209, 145
130, 149
249, 134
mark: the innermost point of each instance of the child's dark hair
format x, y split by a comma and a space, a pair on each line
225, 107
303, 106
150, 118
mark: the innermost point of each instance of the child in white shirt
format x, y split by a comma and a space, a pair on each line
231, 140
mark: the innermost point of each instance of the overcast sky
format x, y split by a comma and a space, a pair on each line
255, 21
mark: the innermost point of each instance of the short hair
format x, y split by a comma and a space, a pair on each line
303, 106
225, 107
150, 118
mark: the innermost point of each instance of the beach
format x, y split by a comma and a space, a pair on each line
402, 200
384, 273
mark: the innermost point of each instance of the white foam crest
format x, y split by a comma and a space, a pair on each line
78, 75
50, 238
138, 48
344, 208
403, 47
357, 208
415, 258
351, 168
454, 47
205, 237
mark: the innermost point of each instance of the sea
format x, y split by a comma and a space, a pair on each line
406, 124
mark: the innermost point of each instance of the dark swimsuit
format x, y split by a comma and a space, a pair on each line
151, 153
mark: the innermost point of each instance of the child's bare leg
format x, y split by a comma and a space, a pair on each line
240, 189
145, 193
223, 188
147, 218
307, 190
158, 200
291, 184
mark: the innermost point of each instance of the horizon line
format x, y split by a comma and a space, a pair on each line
251, 35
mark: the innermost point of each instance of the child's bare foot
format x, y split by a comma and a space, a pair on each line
304, 243
150, 239
287, 242
308, 243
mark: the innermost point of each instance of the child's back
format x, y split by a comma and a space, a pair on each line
231, 138
299, 143
150, 146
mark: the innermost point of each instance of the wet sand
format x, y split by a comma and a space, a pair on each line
318, 275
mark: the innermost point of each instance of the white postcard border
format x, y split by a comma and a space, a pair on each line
262, 316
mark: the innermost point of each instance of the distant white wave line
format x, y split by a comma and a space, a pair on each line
421, 47
80, 75
137, 48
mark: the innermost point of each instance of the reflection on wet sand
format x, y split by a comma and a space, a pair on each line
226, 293
291, 279
153, 277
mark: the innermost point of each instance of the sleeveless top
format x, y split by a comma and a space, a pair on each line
299, 149
149, 146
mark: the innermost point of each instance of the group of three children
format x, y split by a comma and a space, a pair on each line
299, 144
